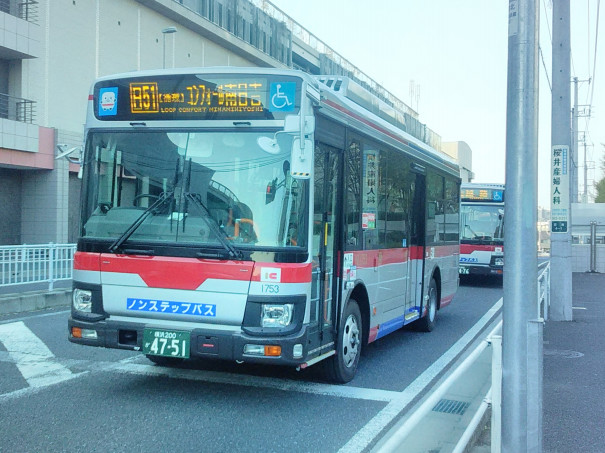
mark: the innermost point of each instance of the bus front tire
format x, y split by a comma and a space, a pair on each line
341, 367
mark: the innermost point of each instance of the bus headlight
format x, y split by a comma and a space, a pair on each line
499, 261
82, 300
273, 315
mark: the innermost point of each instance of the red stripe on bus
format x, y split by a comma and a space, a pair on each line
289, 272
176, 273
470, 248
371, 258
416, 253
85, 261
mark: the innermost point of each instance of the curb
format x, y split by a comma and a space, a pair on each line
34, 300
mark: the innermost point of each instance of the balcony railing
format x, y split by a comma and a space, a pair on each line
24, 9
17, 109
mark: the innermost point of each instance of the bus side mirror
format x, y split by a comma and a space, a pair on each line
271, 189
301, 162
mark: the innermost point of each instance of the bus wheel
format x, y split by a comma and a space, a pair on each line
427, 324
342, 366
165, 361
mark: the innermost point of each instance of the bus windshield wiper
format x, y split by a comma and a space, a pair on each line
195, 199
164, 197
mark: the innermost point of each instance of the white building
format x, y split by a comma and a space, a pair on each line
51, 51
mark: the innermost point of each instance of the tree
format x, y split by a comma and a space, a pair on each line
600, 185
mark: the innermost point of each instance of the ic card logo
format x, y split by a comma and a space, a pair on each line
270, 274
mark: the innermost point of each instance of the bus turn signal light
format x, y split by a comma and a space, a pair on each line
273, 351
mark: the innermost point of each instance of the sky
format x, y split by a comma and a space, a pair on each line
456, 54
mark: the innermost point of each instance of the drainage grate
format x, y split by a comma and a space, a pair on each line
451, 407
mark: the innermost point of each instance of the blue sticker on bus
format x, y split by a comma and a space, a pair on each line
108, 101
172, 307
497, 195
283, 96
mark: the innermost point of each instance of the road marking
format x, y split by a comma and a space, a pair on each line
375, 426
28, 391
286, 385
33, 358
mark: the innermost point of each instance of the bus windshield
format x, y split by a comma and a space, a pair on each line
481, 223
192, 187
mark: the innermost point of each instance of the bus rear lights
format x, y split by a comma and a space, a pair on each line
82, 300
87, 334
262, 350
276, 315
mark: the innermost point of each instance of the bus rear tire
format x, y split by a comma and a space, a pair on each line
165, 361
427, 323
341, 367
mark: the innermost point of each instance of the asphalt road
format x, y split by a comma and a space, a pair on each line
57, 396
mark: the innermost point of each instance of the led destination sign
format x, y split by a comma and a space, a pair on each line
187, 97
493, 195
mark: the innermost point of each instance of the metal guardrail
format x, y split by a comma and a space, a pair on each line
17, 109
23, 264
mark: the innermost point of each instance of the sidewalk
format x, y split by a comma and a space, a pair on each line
573, 399
574, 372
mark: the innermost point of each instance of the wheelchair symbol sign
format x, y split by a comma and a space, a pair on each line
283, 95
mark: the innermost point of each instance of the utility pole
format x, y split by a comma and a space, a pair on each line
560, 232
575, 182
521, 359
585, 195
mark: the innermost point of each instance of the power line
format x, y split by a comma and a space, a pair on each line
545, 69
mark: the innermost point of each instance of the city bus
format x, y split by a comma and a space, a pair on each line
481, 230
257, 215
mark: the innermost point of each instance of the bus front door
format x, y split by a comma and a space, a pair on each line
327, 164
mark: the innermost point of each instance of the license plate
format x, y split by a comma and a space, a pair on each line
463, 270
166, 343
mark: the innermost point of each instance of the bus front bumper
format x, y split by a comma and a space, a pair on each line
480, 270
205, 343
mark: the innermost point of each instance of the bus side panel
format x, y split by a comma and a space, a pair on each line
391, 279
444, 258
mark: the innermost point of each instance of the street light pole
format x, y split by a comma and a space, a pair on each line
166, 31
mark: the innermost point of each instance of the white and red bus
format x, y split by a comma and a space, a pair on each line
257, 215
481, 229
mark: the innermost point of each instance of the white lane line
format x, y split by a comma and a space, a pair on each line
28, 391
286, 385
32, 357
367, 434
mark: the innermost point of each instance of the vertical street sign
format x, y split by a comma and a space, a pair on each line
559, 189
